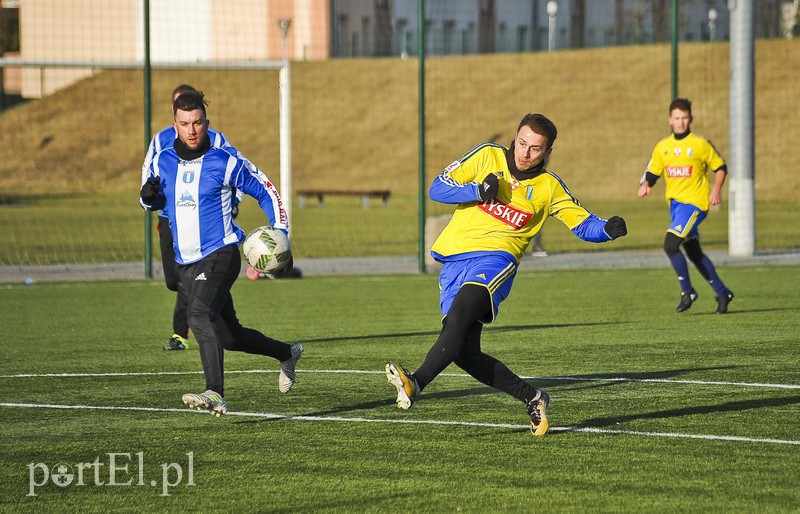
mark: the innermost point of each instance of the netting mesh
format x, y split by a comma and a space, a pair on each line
73, 134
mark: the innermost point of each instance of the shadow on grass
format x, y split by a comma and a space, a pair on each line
735, 311
550, 384
689, 411
600, 380
363, 406
487, 330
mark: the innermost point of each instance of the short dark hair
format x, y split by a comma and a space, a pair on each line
681, 103
178, 91
540, 125
189, 101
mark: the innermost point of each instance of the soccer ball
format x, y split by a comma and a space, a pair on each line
267, 249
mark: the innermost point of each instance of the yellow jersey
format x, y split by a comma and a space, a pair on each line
508, 222
685, 164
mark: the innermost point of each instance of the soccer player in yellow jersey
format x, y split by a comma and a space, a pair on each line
503, 197
684, 160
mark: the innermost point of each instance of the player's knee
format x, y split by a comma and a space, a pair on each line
693, 250
672, 244
464, 361
200, 317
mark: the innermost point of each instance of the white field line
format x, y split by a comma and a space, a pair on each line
375, 372
267, 415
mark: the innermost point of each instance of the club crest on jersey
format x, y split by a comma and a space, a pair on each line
679, 171
511, 216
186, 200
689, 152
529, 193
188, 176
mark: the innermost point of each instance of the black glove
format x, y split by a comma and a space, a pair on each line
235, 211
615, 227
488, 189
150, 190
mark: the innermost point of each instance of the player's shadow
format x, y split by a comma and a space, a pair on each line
487, 330
602, 380
550, 384
734, 311
576, 382
735, 406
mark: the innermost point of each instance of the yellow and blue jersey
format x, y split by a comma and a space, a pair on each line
508, 222
684, 163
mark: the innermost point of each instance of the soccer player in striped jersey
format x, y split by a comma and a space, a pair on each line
684, 160
502, 196
164, 139
194, 183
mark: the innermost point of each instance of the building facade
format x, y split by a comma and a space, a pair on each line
190, 31
371, 28
181, 31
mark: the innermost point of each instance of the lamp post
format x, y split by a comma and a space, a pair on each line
712, 24
284, 25
552, 10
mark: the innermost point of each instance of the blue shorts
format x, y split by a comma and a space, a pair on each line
685, 219
494, 271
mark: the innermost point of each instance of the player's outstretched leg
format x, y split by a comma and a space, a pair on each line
210, 400
286, 378
404, 382
537, 408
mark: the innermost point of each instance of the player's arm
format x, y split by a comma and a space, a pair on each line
598, 230
720, 175
458, 184
255, 183
651, 173
582, 223
151, 195
148, 159
446, 189
647, 181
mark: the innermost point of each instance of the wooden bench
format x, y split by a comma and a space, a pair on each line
322, 193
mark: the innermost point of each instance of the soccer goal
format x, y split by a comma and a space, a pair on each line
89, 73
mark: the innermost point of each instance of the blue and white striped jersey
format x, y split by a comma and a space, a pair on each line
197, 197
166, 137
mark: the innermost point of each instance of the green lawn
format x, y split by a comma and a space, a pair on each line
652, 411
109, 228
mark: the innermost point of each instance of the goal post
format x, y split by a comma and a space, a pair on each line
285, 135
284, 107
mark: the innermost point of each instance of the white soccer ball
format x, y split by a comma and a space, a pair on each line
267, 249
